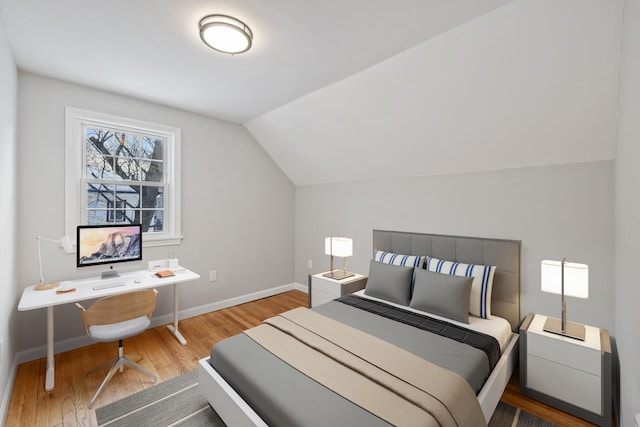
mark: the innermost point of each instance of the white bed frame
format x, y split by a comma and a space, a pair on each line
234, 411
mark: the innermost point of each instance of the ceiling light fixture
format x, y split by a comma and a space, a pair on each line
225, 34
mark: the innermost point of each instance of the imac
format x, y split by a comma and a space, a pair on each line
108, 244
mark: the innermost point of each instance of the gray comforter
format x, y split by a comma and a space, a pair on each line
284, 397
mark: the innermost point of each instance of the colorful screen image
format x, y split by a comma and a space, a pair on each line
106, 244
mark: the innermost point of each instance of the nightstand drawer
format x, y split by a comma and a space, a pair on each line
570, 385
324, 289
319, 297
571, 375
328, 286
573, 355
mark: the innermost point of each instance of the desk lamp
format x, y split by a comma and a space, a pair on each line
565, 278
342, 247
63, 242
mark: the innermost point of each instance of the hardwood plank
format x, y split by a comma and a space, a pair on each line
68, 403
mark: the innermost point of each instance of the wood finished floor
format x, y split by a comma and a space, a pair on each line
68, 403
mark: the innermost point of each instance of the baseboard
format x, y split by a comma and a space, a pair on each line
303, 288
219, 305
84, 340
8, 388
40, 351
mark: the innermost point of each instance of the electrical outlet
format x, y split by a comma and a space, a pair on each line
158, 264
213, 276
309, 264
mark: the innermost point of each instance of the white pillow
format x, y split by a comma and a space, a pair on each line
480, 299
399, 259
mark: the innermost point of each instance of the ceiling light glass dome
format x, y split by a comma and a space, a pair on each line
225, 34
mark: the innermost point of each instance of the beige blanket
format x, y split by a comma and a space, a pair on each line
397, 386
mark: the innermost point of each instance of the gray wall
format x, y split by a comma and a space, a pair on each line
627, 233
237, 205
556, 211
8, 150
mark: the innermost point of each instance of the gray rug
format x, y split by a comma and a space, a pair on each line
175, 402
506, 415
178, 402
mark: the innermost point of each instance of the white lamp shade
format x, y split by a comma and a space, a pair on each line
338, 246
576, 278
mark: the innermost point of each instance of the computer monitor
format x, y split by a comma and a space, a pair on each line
108, 244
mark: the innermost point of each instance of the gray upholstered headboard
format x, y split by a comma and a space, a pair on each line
504, 254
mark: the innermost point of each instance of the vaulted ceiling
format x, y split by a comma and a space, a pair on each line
354, 90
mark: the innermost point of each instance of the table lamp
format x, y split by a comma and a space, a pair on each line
566, 279
342, 247
63, 242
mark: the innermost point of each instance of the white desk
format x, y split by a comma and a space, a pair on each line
143, 279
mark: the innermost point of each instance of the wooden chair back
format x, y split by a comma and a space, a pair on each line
119, 308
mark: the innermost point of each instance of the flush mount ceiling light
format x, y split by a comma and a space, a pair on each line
225, 34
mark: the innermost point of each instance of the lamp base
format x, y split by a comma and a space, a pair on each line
572, 330
46, 286
338, 274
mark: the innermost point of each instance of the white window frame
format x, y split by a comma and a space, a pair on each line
75, 188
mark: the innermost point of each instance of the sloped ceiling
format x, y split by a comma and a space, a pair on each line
532, 83
152, 49
361, 89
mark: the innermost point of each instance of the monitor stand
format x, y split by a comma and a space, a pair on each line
110, 274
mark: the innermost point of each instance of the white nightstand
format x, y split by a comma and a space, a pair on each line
323, 289
571, 375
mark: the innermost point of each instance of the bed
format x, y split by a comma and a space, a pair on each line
251, 384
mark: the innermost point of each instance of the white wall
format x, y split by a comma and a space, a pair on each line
8, 151
237, 205
556, 211
627, 206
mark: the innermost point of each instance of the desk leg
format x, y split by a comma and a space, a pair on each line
174, 328
51, 361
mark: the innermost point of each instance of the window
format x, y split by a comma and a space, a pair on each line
122, 171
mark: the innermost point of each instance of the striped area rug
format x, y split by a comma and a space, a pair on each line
178, 402
508, 416
175, 402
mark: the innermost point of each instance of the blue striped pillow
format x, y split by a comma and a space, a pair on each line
399, 259
480, 300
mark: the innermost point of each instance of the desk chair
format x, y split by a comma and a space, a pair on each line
115, 318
